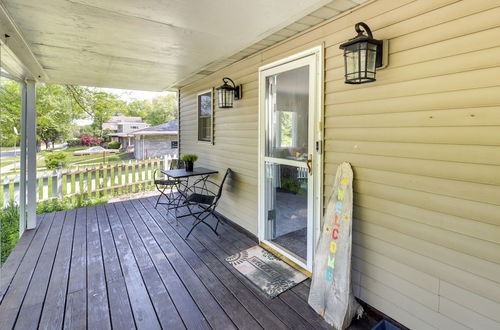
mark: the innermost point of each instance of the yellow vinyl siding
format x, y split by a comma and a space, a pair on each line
424, 142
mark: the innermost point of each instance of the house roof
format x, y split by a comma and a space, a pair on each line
124, 119
121, 134
169, 128
168, 44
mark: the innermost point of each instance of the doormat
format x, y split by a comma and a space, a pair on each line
268, 272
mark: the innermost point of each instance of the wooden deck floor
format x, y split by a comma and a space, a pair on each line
126, 265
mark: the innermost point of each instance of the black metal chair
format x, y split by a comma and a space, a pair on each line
166, 187
206, 200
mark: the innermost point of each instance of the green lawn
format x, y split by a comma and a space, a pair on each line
72, 160
8, 161
97, 159
8, 148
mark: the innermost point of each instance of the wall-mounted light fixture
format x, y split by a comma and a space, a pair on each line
362, 55
227, 93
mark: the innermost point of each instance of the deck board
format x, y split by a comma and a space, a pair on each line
118, 298
126, 265
97, 295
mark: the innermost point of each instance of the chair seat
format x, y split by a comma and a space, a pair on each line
166, 182
200, 199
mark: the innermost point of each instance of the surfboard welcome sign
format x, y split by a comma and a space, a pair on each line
331, 290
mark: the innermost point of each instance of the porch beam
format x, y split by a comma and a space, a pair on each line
21, 59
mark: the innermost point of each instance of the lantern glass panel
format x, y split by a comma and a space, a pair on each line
371, 58
225, 97
352, 62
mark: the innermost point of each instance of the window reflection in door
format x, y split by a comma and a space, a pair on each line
287, 97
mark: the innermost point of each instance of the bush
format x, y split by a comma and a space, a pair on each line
74, 143
114, 145
67, 203
90, 141
52, 160
9, 222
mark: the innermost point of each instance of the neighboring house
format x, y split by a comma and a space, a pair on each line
120, 128
156, 141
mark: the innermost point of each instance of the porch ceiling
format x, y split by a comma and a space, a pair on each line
149, 44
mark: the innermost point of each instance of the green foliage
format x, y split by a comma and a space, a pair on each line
139, 108
54, 113
53, 159
10, 111
9, 233
190, 158
57, 107
66, 203
286, 120
290, 185
114, 145
74, 142
53, 110
97, 104
164, 109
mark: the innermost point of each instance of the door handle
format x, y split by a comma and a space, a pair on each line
309, 164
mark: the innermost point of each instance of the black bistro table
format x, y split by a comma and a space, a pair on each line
199, 176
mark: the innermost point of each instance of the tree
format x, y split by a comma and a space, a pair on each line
10, 111
139, 108
54, 113
164, 109
53, 110
97, 104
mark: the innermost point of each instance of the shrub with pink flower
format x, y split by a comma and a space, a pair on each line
90, 141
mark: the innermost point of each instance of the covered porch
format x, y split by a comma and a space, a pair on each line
422, 140
126, 265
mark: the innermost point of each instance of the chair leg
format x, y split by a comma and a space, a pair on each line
158, 200
200, 218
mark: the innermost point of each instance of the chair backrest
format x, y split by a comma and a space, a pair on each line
221, 186
176, 164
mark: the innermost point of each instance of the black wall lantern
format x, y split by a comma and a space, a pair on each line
227, 93
362, 55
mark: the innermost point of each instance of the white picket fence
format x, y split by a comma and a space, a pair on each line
94, 181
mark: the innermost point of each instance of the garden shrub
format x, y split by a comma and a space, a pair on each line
90, 141
52, 160
67, 203
74, 143
9, 233
114, 145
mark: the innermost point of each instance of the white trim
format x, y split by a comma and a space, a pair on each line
318, 50
315, 135
211, 91
285, 161
20, 48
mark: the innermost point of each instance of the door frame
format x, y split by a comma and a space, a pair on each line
317, 134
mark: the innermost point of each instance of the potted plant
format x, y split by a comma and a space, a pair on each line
189, 160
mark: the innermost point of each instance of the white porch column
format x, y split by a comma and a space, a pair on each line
22, 176
31, 152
